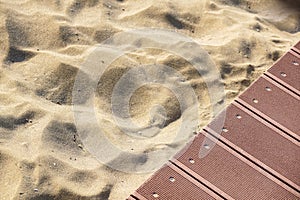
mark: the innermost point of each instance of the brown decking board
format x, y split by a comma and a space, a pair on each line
230, 172
279, 105
167, 183
287, 71
249, 134
130, 198
296, 48
256, 156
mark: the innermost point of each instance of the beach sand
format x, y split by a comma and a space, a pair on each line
42, 47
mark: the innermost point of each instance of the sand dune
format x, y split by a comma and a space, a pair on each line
43, 46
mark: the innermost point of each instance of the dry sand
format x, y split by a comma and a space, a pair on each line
43, 44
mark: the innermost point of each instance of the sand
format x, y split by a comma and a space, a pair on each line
43, 46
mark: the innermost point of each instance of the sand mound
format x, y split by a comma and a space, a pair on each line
10, 176
57, 86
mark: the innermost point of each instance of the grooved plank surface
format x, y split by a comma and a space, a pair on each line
230, 174
276, 103
181, 188
287, 69
297, 46
269, 145
130, 198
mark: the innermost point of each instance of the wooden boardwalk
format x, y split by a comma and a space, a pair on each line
257, 154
